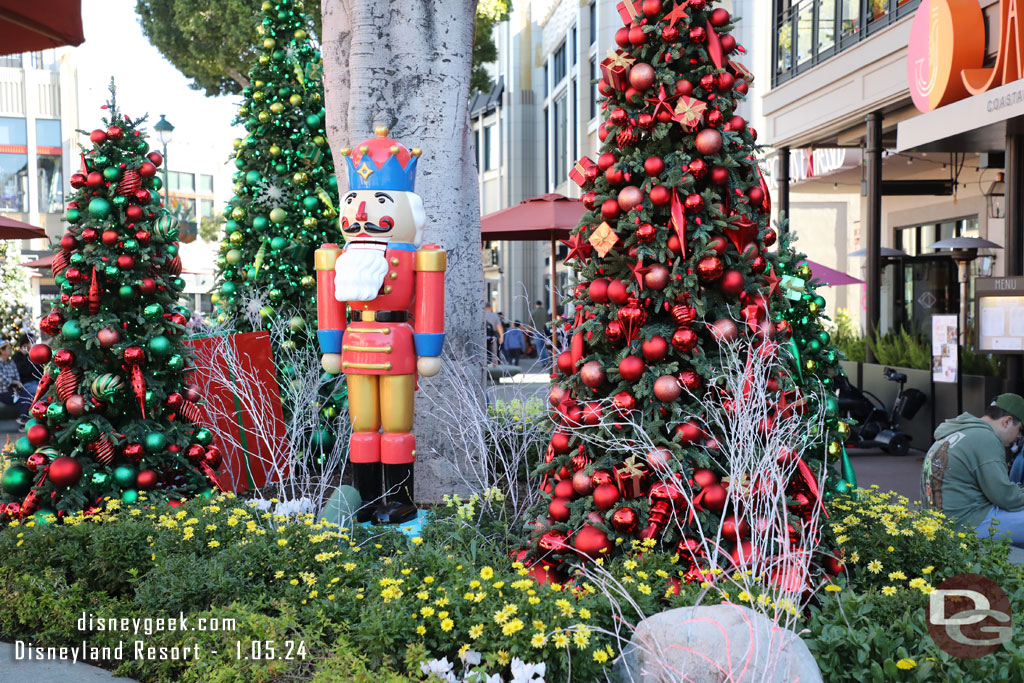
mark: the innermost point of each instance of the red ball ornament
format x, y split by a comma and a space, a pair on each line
38, 435
624, 520
615, 176
719, 245
719, 175
63, 358
719, 17
698, 34
589, 199
698, 168
602, 130
630, 197
704, 478
653, 166
40, 354
655, 349
133, 452
558, 508
728, 42
622, 38
758, 264
134, 355
125, 261
694, 203
674, 245
617, 118
709, 268
614, 332
756, 195
560, 442
592, 374
77, 180
147, 170
606, 161
598, 290
115, 132
735, 529
725, 81
641, 76
688, 433
75, 405
38, 410
715, 118
632, 368
618, 292
624, 401
732, 283
659, 458
646, 233
95, 180
660, 195
670, 34
684, 339
146, 479
142, 196
651, 8
637, 37
709, 141
684, 87
147, 286
606, 496
108, 337
645, 121
65, 471
582, 484
68, 242
690, 379
565, 364
770, 237
563, 489
724, 330
592, 414
745, 554
667, 388
110, 237
707, 82
155, 158
742, 87
657, 277
610, 210
591, 542
715, 497
98, 137
90, 235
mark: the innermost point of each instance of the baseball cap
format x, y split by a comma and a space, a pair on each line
1011, 403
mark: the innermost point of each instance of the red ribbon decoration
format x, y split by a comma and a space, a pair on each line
679, 220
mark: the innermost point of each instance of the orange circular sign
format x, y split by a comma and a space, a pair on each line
947, 36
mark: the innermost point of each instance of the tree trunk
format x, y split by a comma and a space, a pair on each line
406, 64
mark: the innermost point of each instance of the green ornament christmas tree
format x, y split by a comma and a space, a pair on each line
675, 279
285, 189
113, 414
15, 315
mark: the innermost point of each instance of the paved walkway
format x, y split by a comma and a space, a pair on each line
50, 671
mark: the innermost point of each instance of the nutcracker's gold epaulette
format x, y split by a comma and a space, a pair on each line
431, 258
325, 256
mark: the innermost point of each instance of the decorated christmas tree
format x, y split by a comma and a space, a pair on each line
113, 414
15, 315
685, 326
285, 189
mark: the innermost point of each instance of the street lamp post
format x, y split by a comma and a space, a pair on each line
164, 131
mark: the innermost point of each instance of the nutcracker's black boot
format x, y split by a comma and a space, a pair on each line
366, 476
398, 488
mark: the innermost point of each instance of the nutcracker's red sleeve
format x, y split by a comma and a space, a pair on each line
330, 312
428, 324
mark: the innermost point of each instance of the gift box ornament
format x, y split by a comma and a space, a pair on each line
615, 68
630, 11
631, 477
584, 172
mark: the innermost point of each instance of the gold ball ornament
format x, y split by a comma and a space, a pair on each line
258, 95
810, 365
813, 308
259, 84
263, 117
267, 6
844, 430
263, 59
331, 363
215, 298
277, 107
319, 141
307, 282
804, 272
300, 34
295, 100
222, 318
236, 143
234, 257
274, 150
278, 215
236, 238
316, 97
300, 178
238, 213
834, 448
309, 222
269, 43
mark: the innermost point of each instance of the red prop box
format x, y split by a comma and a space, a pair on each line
630, 11
249, 463
583, 172
631, 477
615, 69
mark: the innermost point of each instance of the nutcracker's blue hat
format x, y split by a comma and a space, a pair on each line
381, 163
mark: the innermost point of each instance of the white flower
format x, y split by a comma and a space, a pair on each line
471, 658
261, 504
295, 507
481, 677
441, 668
524, 673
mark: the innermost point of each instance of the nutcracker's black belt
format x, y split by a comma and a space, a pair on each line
379, 316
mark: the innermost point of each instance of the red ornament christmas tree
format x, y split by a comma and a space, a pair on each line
113, 414
674, 269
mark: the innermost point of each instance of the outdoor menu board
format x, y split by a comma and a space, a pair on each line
1000, 314
945, 347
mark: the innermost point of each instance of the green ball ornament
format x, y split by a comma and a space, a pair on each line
155, 442
153, 312
77, 258
178, 284
87, 432
332, 182
17, 481
260, 223
171, 250
71, 330
253, 177
814, 346
203, 436
820, 301
175, 363
111, 173
323, 438
111, 272
310, 203
239, 163
159, 345
56, 413
23, 448
276, 295
824, 338
297, 324
280, 168
228, 289
155, 183
67, 287
72, 215
278, 243
278, 215
313, 121
100, 160
99, 208
100, 478
120, 201
234, 257
166, 228
131, 246
130, 496
126, 292
230, 227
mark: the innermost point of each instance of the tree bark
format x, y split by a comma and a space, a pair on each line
406, 64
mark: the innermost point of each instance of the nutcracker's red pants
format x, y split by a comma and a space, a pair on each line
376, 401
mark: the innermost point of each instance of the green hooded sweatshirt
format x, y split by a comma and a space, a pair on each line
965, 472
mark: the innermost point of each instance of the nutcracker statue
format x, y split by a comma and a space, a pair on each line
394, 328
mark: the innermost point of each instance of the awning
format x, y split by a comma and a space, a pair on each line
11, 229
549, 216
45, 262
979, 123
830, 277
30, 26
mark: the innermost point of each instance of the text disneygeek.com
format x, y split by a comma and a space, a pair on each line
139, 649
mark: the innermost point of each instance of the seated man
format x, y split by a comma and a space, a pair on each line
965, 470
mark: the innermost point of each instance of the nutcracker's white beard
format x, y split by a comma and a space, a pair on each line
359, 272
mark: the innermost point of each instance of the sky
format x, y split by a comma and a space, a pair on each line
147, 83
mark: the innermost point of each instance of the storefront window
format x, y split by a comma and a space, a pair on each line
206, 183
51, 187
561, 150
13, 182
850, 21
805, 32
13, 131
879, 8
826, 25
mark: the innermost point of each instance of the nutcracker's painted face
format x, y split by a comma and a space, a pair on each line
382, 216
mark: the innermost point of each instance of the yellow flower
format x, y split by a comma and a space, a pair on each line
644, 588
874, 566
486, 573
538, 640
503, 657
630, 565
421, 630
927, 589
600, 656
512, 627
888, 590
584, 613
447, 625
581, 637
282, 541
928, 570
560, 640
906, 664
832, 588
917, 583
897, 575
427, 611
476, 631
348, 566
854, 557
294, 582
891, 549
213, 544
428, 579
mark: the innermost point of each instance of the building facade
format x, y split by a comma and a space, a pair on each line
542, 116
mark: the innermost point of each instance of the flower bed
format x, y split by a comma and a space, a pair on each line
371, 604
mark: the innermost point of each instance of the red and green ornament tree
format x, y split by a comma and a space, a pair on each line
285, 188
672, 259
113, 414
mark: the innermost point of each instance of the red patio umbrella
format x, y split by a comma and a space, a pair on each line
11, 229
830, 276
27, 26
44, 263
549, 216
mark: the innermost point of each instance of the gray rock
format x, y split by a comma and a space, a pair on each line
714, 643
